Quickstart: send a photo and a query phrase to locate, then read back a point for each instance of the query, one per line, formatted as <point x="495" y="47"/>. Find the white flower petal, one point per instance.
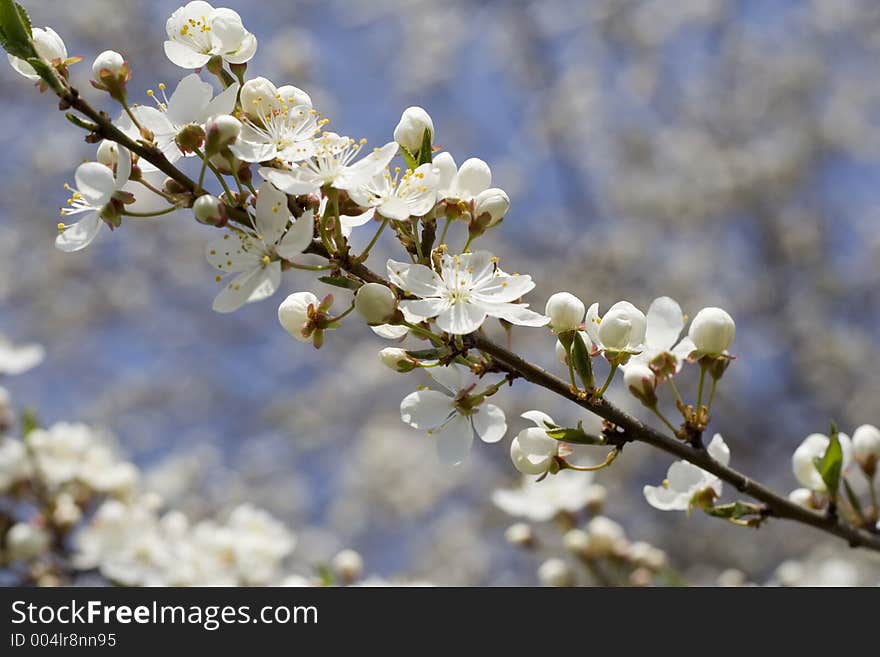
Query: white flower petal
<point x="184" y="56"/>
<point x="189" y="100"/>
<point x="424" y="308"/>
<point x="248" y="286"/>
<point x="298" y="237"/>
<point x="271" y="213"/>
<point x="665" y="322"/>
<point x="665" y="499"/>
<point x="426" y="409"/>
<point x="515" y="313"/>
<point x="79" y="235"/>
<point x="415" y="279"/>
<point x="95" y="182"/>
<point x="228" y="254"/>
<point x="540" y="418"/>
<point x="503" y="289"/>
<point x="454" y="440"/>
<point x="223" y="103"/>
<point x="461" y="318"/>
<point x="719" y="450"/>
<point x="390" y="331"/>
<point x="296" y="182"/>
<point x="489" y="423"/>
<point x="450" y="377"/>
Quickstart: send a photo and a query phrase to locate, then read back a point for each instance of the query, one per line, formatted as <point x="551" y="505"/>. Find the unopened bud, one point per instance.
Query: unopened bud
<point x="493" y="202"/>
<point x="348" y="566"/>
<point x="576" y="541"/>
<point x="108" y="62"/>
<point x="566" y="312"/>
<point x="712" y="331"/>
<point x="520" y="534"/>
<point x="209" y="210"/>
<point x="397" y="359"/>
<point x="410" y="131"/>
<point x="25" y="541"/>
<point x="108" y="153"/>
<point x="221" y="131"/>
<point x="641" y="382"/>
<point x="555" y="572"/>
<point x="866" y="448"/>
<point x="293" y="314"/>
<point x="376" y="303"/>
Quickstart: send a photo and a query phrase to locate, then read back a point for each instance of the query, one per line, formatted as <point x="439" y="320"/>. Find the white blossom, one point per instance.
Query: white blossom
<point x="19" y="358"/>
<point x="866" y="445"/>
<point x="293" y="313"/>
<point x="108" y="61"/>
<point x="464" y="183"/>
<point x="399" y="198"/>
<point x="15" y="466"/>
<point x="278" y="123"/>
<point x="96" y="187"/>
<point x="375" y="303"/>
<point x="665" y="322"/>
<point x="555" y="572"/>
<point x="332" y="163"/>
<point x="255" y="256"/>
<point x="685" y="480"/>
<point x="49" y="47"/>
<point x="26" y="541"/>
<point x="567" y="491"/>
<point x="191" y="104"/>
<point x="411" y="128"/>
<point x="712" y="331"/>
<point x="452" y="417"/>
<point x="566" y="312"/>
<point x="532" y="451"/>
<point x="813" y="447"/>
<point x="197" y="31"/>
<point x="621" y="330"/>
<point x="467" y="290"/>
<point x="494" y="202"/>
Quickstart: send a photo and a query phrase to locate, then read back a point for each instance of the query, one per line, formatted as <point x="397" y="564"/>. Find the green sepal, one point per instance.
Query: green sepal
<point x="831" y="463"/>
<point x="340" y="281"/>
<point x="576" y="435"/>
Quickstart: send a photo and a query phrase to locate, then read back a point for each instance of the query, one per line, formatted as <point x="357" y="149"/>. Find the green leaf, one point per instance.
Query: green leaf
<point x="15" y="30"/>
<point x="29" y="422"/>
<point x="428" y="354"/>
<point x="734" y="510"/>
<point x="576" y="436"/>
<point x="340" y="281"/>
<point x="581" y="360"/>
<point x="829" y="466"/>
<point x="426" y="151"/>
<point x="409" y="158"/>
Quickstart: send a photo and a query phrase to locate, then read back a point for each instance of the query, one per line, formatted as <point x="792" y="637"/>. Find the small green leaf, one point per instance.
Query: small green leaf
<point x="340" y="281"/>
<point x="15" y="30"/>
<point x="576" y="436"/>
<point x="426" y="153"/>
<point x="409" y="158"/>
<point x="29" y="422"/>
<point x="428" y="354"/>
<point x="829" y="466"/>
<point x="582" y="362"/>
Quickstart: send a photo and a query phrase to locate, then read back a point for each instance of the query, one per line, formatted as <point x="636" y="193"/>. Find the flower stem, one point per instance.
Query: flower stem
<point x="158" y="213"/>
<point x="607" y="381"/>
<point x="445" y="228"/>
<point x="342" y="315"/>
<point x="612" y="455"/>
<point x="700" y="389"/>
<point x="132" y="117"/>
<point x="711" y="393"/>
<point x="366" y="252"/>
<point x="425" y="333"/>
<point x="663" y="419"/>
<point x="675" y="392"/>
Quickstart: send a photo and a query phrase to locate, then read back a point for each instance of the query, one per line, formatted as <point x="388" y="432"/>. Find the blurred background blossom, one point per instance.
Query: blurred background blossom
<point x="722" y="152"/>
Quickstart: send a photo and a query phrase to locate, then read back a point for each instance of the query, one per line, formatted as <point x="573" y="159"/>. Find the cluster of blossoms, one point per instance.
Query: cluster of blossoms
<point x="596" y="550"/>
<point x="288" y="194"/>
<point x="70" y="505"/>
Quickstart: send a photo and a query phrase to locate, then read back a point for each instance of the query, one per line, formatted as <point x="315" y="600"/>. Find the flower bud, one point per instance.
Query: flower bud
<point x="520" y="534"/>
<point x="221" y="131"/>
<point x="397" y="359"/>
<point x="555" y="572"/>
<point x="813" y="447"/>
<point x="803" y="497"/>
<point x="348" y="566"/>
<point x="190" y="137"/>
<point x="411" y="129"/>
<point x="108" y="153"/>
<point x="605" y="535"/>
<point x="561" y="352"/>
<point x="376" y="303"/>
<point x="294" y="96"/>
<point x="108" y="62"/>
<point x="533" y="452"/>
<point x="712" y="331"/>
<point x="576" y="541"/>
<point x="641" y="382"/>
<point x="26" y="541"/>
<point x="293" y="314"/>
<point x="866" y="448"/>
<point x="493" y="202"/>
<point x="566" y="312"/>
<point x="209" y="210"/>
<point x="615" y="330"/>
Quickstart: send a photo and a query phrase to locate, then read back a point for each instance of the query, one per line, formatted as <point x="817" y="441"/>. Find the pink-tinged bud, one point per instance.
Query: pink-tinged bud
<point x="376" y="303"/>
<point x="209" y="210"/>
<point x="293" y="314"/>
<point x="411" y="129"/>
<point x="493" y="202"/>
<point x="221" y="131"/>
<point x="108" y="62"/>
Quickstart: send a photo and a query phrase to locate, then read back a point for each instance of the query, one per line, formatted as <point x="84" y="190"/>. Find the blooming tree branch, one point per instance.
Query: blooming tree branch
<point x="319" y="187"/>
